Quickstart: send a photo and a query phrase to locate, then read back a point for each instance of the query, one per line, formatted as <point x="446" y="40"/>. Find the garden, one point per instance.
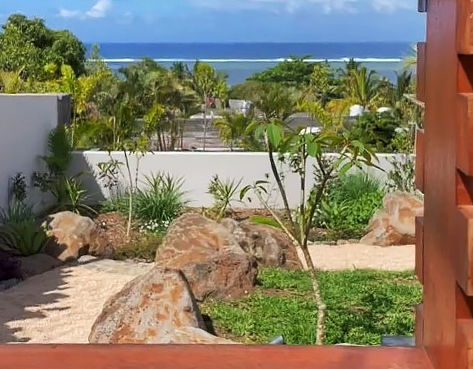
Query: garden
<point x="260" y="279"/>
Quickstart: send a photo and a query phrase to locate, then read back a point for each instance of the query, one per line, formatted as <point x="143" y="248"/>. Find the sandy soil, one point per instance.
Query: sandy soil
<point x="60" y="306"/>
<point x="357" y="256"/>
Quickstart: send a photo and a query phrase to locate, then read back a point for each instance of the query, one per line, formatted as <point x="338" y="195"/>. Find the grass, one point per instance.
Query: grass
<point x="362" y="306"/>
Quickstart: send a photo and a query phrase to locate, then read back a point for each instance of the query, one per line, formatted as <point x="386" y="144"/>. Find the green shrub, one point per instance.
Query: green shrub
<point x="259" y="219"/>
<point x="20" y="233"/>
<point x="362" y="306"/>
<point x="70" y="195"/>
<point x="156" y="205"/>
<point x="142" y="247"/>
<point x="350" y="203"/>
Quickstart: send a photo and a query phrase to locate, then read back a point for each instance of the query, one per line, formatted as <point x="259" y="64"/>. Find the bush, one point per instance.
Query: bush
<point x="376" y="130"/>
<point x="142" y="247"/>
<point x="154" y="207"/>
<point x="362" y="306"/>
<point x="350" y="203"/>
<point x="20" y="234"/>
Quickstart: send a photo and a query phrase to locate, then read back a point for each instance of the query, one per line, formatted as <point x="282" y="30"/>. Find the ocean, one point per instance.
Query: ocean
<point x="241" y="60"/>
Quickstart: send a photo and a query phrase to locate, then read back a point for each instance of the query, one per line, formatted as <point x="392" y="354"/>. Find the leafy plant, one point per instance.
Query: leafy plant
<point x="402" y="175"/>
<point x="295" y="148"/>
<point x="68" y="192"/>
<point x="23" y="238"/>
<point x="16" y="212"/>
<point x="258" y="219"/>
<point x="223" y="192"/>
<point x="60" y="150"/>
<point x="156" y="205"/>
<point x="109" y="172"/>
<point x="19" y="231"/>
<point x="161" y="201"/>
<point x="70" y="195"/>
<point x="350" y="203"/>
<point x="18" y="187"/>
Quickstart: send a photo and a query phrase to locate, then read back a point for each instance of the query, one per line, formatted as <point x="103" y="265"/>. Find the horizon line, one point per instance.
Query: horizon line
<point x="245" y="42"/>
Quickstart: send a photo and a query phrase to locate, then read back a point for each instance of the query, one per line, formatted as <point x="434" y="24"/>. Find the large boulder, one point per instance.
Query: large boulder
<point x="10" y="267"/>
<point x="38" y="264"/>
<point x="394" y="225"/>
<point x="210" y="257"/>
<point x="69" y="235"/>
<point x="270" y="246"/>
<point x="155" y="308"/>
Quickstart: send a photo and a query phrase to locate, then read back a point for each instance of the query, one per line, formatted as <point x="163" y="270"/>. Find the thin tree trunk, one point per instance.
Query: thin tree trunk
<point x="282" y="191"/>
<point x="320" y="331"/>
<point x="205" y="122"/>
<point x="130" y="193"/>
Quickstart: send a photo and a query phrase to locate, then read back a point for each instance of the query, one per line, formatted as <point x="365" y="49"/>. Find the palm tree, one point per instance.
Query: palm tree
<point x="360" y="86"/>
<point x="232" y="127"/>
<point x="410" y="61"/>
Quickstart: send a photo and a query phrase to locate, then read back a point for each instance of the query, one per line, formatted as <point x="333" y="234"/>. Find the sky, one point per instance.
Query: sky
<point x="228" y="20"/>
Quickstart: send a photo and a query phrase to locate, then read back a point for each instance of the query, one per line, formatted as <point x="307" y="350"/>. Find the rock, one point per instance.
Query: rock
<point x="157" y="307"/>
<point x="191" y="335"/>
<point x="210" y="257"/>
<point x="6" y="285"/>
<point x="38" y="264"/>
<point x="10" y="267"/>
<point x="270" y="245"/>
<point x="70" y="235"/>
<point x="394" y="225"/>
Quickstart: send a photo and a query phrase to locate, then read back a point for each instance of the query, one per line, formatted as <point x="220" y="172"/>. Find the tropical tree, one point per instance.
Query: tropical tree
<point x="293" y="72"/>
<point x="232" y="128"/>
<point x="360" y="86"/>
<point x="295" y="149"/>
<point x="29" y="44"/>
<point x="204" y="81"/>
<point x="410" y="61"/>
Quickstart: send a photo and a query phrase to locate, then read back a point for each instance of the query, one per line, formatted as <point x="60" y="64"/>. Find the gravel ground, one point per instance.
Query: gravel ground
<point x="60" y="306"/>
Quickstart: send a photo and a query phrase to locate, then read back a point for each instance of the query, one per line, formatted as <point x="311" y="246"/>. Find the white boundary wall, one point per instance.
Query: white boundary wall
<point x="197" y="170"/>
<point x="25" y="123"/>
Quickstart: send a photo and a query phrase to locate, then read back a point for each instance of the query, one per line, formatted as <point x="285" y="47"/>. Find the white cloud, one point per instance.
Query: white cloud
<point x="390" y="6"/>
<point x="288" y="6"/>
<point x="293" y="6"/>
<point x="99" y="10"/>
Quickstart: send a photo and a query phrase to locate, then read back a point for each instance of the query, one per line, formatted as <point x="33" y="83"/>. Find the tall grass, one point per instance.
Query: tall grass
<point x="156" y="204"/>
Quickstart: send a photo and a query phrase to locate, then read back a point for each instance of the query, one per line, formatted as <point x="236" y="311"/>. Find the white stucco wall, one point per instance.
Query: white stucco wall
<point x="25" y="122"/>
<point x="197" y="170"/>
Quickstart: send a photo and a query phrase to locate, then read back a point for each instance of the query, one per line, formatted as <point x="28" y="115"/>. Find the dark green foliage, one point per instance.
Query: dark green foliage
<point x="294" y="72"/>
<point x="20" y="233"/>
<point x="349" y="205"/>
<point x="68" y="191"/>
<point x="362" y="306"/>
<point x="377" y="130"/>
<point x="258" y="219"/>
<point x="60" y="150"/>
<point x="30" y="44"/>
<point x="156" y="205"/>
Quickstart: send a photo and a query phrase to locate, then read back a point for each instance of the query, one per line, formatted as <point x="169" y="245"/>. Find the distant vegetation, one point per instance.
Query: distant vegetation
<point x="146" y="100"/>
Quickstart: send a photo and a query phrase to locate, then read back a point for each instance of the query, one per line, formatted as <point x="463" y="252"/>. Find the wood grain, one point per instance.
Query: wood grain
<point x="209" y="357"/>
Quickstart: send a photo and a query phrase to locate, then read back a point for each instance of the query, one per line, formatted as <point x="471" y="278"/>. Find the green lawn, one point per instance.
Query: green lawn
<point x="362" y="306"/>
